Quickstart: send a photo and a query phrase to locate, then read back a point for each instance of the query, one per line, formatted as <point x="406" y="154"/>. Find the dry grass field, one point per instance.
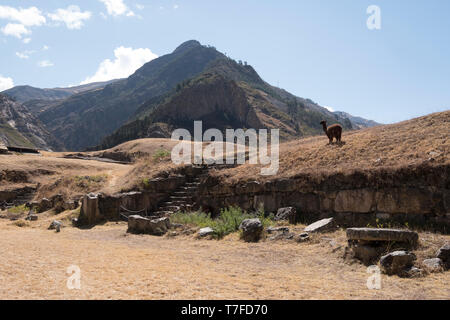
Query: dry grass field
<point x="413" y="142"/>
<point x="74" y="177"/>
<point x="58" y="175"/>
<point x="117" y="265"/>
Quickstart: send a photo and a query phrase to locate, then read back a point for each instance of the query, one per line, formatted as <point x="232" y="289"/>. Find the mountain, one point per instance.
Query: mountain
<point x="27" y="93"/>
<point x="83" y="119"/>
<point x="357" y="122"/>
<point x="226" y="95"/>
<point x="19" y="128"/>
<point x="194" y="82"/>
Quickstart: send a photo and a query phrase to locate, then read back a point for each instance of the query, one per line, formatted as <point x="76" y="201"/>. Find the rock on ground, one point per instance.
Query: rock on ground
<point x="321" y="226"/>
<point x="271" y="230"/>
<point x="412" y="272"/>
<point x="397" y="262"/>
<point x="141" y="225"/>
<point x="444" y="254"/>
<point x="303" y="237"/>
<point x="251" y="230"/>
<point x="204" y="232"/>
<point x="433" y="265"/>
<point x="288" y="214"/>
<point x="33" y="217"/>
<point x="44" y="205"/>
<point x="55" y="225"/>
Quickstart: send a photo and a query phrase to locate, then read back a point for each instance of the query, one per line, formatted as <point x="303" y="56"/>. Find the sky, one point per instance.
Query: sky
<point x="323" y="50"/>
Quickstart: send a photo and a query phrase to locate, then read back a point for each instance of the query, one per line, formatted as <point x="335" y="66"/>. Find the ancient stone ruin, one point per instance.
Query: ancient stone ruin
<point x="369" y="244"/>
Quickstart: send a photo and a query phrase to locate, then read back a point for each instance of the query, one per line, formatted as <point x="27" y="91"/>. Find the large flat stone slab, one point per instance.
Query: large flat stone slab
<point x="390" y="235"/>
<point x="321" y="226"/>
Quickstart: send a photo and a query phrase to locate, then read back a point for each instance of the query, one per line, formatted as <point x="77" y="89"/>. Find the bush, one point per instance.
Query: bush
<point x="146" y="183"/>
<point x="161" y="154"/>
<point x="198" y="218"/>
<point x="226" y="223"/>
<point x="18" y="209"/>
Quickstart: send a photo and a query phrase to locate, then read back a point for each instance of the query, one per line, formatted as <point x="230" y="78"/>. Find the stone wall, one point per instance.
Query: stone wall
<point x="97" y="208"/>
<point x="11" y="195"/>
<point x="417" y="195"/>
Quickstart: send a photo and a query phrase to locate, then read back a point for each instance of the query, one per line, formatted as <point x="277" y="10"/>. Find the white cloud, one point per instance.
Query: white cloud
<point x="16" y="30"/>
<point x="25" y="54"/>
<point x="329" y="108"/>
<point x="45" y="48"/>
<point x="126" y="62"/>
<point x="26" y="40"/>
<point x="176" y="6"/>
<point x="72" y="16"/>
<point x="140" y="6"/>
<point x="117" y="8"/>
<point x="45" y="64"/>
<point x="6" y="83"/>
<point x="27" y="17"/>
<point x="22" y="55"/>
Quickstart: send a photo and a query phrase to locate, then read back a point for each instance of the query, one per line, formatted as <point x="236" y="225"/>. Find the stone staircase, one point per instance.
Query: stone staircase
<point x="183" y="198"/>
<point x="25" y="198"/>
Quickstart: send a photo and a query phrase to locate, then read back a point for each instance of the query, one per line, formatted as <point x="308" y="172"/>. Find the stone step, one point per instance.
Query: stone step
<point x="180" y="203"/>
<point x="183" y="194"/>
<point x="170" y="208"/>
<point x="180" y="198"/>
<point x="163" y="213"/>
<point x="187" y="189"/>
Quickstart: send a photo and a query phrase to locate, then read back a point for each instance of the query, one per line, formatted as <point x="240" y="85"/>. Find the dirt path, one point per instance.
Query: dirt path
<point x="115" y="265"/>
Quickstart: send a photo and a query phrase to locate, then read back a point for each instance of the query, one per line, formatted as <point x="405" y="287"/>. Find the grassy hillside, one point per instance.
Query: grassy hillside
<point x="11" y="137"/>
<point x="415" y="142"/>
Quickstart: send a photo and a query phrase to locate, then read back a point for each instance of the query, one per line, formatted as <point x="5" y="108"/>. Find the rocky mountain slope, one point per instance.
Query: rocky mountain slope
<point x="18" y="127"/>
<point x="357" y="122"/>
<point x="84" y="119"/>
<point x="24" y="94"/>
<point x="39" y="100"/>
<point x="226" y="95"/>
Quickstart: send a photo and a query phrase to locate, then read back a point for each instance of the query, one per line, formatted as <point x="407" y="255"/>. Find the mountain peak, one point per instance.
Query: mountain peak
<point x="188" y="45"/>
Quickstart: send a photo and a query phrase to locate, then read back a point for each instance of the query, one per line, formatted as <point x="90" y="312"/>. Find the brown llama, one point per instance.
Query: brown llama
<point x="334" y="131"/>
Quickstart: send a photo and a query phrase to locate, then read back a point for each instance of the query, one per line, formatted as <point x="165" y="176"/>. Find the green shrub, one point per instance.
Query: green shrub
<point x="18" y="209"/>
<point x="198" y="218"/>
<point x="146" y="183"/>
<point x="226" y="223"/>
<point x="161" y="154"/>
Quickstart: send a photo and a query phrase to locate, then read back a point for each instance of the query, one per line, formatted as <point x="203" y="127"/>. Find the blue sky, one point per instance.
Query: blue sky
<point x="317" y="49"/>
